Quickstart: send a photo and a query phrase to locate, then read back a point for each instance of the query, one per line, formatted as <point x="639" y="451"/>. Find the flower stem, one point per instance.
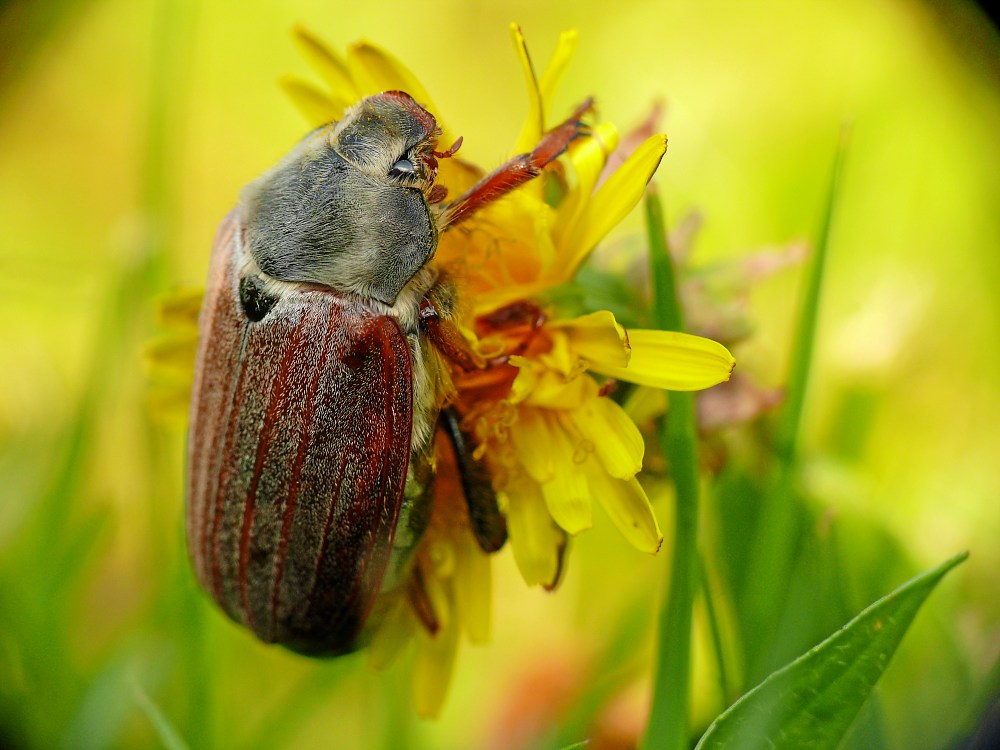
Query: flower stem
<point x="668" y="719"/>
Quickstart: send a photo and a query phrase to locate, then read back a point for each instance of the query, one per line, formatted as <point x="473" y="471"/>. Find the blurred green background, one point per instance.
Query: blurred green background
<point x="126" y="130"/>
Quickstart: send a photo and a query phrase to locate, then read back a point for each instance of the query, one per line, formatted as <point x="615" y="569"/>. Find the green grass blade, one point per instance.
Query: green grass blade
<point x="805" y="335"/>
<point x="165" y="731"/>
<point x="715" y="630"/>
<point x="96" y="712"/>
<point x="772" y="556"/>
<point x="666" y="305"/>
<point x="812" y="702"/>
<point x="668" y="719"/>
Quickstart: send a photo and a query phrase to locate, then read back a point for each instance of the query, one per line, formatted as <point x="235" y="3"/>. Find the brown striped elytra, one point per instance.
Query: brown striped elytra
<point x="313" y="414"/>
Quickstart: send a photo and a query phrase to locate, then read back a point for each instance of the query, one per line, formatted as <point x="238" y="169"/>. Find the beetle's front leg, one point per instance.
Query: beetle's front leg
<point x="444" y="334"/>
<point x="515" y="172"/>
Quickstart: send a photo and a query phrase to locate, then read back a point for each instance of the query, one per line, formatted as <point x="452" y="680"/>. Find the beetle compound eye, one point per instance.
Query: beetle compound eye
<point x="256" y="303"/>
<point x="403" y="168"/>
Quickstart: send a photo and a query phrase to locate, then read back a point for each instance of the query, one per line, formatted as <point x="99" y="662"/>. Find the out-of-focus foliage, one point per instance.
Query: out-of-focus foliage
<point x="814" y="700"/>
<point x="127" y="129"/>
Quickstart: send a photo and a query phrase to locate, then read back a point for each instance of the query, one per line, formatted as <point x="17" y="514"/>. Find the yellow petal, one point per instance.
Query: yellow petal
<point x="317" y="106"/>
<point x="671" y="360"/>
<point x="628" y="507"/>
<point x="473" y="589"/>
<point x="568" y="499"/>
<point x="543" y="218"/>
<point x="567" y="494"/>
<point x="617" y="442"/>
<point x="534" y="125"/>
<point x="169" y="401"/>
<point x="560" y="357"/>
<point x="535" y="540"/>
<point x="612" y="202"/>
<point x="557" y="66"/>
<point x="328" y="64"/>
<point x="645" y="403"/>
<point x="597" y="337"/>
<point x="180" y="308"/>
<point x="588" y="157"/>
<point x="432" y="671"/>
<point x="438" y="593"/>
<point x="530" y="436"/>
<point x="392" y="635"/>
<point x="553" y="391"/>
<point x="172" y="354"/>
<point x="376" y="71"/>
<point x="525" y="381"/>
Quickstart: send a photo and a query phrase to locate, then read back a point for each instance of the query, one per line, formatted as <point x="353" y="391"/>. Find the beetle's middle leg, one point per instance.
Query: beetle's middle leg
<point x="485" y="519"/>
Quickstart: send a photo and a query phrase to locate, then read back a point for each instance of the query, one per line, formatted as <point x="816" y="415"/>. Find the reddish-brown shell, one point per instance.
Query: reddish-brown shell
<point x="298" y="450"/>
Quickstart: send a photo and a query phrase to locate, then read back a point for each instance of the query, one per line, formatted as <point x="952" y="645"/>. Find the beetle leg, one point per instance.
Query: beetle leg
<point x="488" y="524"/>
<point x="515" y="172"/>
<point x="420" y="601"/>
<point x="447" y="339"/>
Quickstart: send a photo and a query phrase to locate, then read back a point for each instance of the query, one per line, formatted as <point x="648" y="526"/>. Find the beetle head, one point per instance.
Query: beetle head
<point x="348" y="208"/>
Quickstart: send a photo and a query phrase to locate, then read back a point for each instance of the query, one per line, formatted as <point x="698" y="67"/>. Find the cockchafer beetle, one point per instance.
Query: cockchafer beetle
<point x="316" y="398"/>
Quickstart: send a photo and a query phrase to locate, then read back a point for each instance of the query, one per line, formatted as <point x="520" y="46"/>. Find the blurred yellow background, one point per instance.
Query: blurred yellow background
<point x="127" y="129"/>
